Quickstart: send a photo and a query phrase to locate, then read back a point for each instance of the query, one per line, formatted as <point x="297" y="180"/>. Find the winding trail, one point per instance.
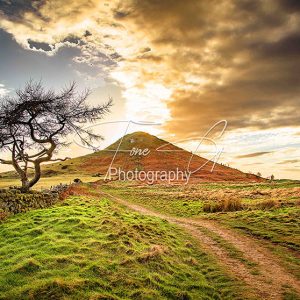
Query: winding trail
<point x="267" y="283"/>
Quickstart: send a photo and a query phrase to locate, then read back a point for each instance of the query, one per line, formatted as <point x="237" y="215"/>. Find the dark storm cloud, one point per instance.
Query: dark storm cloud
<point x="290" y="5"/>
<point x="72" y="39"/>
<point x="39" y="46"/>
<point x="222" y="59"/>
<point x="247" y="51"/>
<point x="18" y="65"/>
<point x="288" y="46"/>
<point x="15" y="9"/>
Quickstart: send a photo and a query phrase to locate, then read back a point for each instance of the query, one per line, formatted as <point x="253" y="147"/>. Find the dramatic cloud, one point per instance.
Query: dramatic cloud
<point x="40" y="46"/>
<point x="196" y="61"/>
<point x="186" y="64"/>
<point x="252" y="154"/>
<point x="49" y="25"/>
<point x="15" y="10"/>
<point x="236" y="63"/>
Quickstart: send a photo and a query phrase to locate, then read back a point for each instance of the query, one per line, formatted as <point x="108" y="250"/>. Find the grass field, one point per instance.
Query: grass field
<point x="269" y="213"/>
<point x="277" y="229"/>
<point x="47" y="182"/>
<point x="90" y="248"/>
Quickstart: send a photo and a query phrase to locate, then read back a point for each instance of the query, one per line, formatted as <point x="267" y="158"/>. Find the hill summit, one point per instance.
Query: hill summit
<point x="138" y="139"/>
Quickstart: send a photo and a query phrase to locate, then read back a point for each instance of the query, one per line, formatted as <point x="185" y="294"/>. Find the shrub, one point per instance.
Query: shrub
<point x="210" y="207"/>
<point x="74" y="189"/>
<point x="268" y="204"/>
<point x="223" y="205"/>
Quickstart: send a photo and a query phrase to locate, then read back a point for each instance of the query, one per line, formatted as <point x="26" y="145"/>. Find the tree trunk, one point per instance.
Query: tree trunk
<point x="25" y="185"/>
<point x="22" y="174"/>
<point x="37" y="175"/>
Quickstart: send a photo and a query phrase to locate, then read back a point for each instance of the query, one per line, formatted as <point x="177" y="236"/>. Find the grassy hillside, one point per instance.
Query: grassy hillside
<point x="173" y="158"/>
<point x="91" y="248"/>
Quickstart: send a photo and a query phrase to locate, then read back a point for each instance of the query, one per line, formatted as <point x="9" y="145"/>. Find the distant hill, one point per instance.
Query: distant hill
<point x="168" y="158"/>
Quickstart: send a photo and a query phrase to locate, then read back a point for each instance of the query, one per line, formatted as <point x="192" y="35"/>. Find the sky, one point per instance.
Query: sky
<point x="183" y="65"/>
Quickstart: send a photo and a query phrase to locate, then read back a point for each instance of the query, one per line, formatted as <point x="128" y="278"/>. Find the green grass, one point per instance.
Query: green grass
<point x="277" y="227"/>
<point x="280" y="226"/>
<point x="47" y="182"/>
<point x="91" y="248"/>
<point x="188" y="201"/>
<point x="230" y="249"/>
<point x="158" y="198"/>
<point x="251" y="186"/>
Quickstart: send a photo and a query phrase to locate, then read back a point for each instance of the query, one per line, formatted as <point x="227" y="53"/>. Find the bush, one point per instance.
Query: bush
<point x="74" y="189"/>
<point x="268" y="204"/>
<point x="223" y="205"/>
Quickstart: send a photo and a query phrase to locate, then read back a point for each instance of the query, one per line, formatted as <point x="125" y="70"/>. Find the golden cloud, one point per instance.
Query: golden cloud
<point x="183" y="62"/>
<point x="255" y="154"/>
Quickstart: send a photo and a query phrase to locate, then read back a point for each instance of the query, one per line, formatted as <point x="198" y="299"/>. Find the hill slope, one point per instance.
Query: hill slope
<point x="161" y="156"/>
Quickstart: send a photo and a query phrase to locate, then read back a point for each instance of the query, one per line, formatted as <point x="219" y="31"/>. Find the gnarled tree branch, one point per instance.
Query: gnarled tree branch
<point x="36" y="122"/>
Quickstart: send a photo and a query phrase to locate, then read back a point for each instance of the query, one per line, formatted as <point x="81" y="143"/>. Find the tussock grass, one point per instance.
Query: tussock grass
<point x="268" y="204"/>
<point x="224" y="205"/>
<point x="193" y="200"/>
<point x="90" y="248"/>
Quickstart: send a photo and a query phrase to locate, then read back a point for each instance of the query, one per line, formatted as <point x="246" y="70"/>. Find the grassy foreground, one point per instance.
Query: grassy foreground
<point x="91" y="248"/>
<point x="268" y="212"/>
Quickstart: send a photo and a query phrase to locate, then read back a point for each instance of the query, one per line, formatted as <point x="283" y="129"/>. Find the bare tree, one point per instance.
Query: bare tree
<point x="36" y="123"/>
<point x="258" y="174"/>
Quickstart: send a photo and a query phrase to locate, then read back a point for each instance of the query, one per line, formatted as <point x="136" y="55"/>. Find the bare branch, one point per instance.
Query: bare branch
<point x="6" y="162"/>
<point x="37" y="122"/>
<point x="60" y="159"/>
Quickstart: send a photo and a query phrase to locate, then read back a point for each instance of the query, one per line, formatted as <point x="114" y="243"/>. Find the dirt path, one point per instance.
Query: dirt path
<point x="266" y="284"/>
